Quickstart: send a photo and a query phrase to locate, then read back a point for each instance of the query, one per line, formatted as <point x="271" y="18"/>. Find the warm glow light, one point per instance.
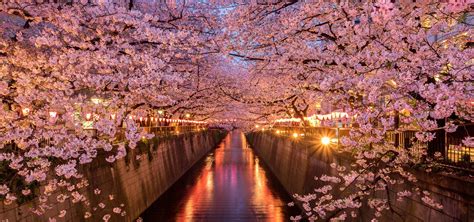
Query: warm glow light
<point x="25" y="111"/>
<point x="160" y="112"/>
<point x="53" y="114"/>
<point x="315" y="120"/>
<point x="112" y="116"/>
<point x="188" y="115"/>
<point x="256" y="126"/>
<point x="96" y="100"/>
<point x="88" y="116"/>
<point x="295" y="135"/>
<point x="405" y="112"/>
<point x="392" y="83"/>
<point x="437" y="77"/>
<point x="325" y="140"/>
<point x="278" y="132"/>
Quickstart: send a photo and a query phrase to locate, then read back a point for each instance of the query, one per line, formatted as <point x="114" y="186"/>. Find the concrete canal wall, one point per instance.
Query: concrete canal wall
<point x="296" y="162"/>
<point x="134" y="183"/>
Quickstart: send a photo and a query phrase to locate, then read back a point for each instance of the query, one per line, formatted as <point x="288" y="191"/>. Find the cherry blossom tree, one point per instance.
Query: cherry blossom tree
<point x="102" y="62"/>
<point x="391" y="66"/>
<point x="394" y="67"/>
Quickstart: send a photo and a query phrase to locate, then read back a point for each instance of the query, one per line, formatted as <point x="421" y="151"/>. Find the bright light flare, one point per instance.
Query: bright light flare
<point x="295" y="135"/>
<point x="325" y="140"/>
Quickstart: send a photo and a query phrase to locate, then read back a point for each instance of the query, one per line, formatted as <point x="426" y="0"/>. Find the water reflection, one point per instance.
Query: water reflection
<point x="229" y="184"/>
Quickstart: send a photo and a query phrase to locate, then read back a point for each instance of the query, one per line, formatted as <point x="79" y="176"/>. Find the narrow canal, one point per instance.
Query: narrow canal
<point x="230" y="184"/>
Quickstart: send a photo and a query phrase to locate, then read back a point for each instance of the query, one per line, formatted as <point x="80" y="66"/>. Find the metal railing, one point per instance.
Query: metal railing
<point x="448" y="144"/>
<point x="158" y="131"/>
<point x="332" y="133"/>
<point x="455" y="150"/>
<point x="161" y="131"/>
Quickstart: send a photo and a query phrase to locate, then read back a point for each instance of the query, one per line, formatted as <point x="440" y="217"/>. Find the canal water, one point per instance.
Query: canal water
<point x="230" y="184"/>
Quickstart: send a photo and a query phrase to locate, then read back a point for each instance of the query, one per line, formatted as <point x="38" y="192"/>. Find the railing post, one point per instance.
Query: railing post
<point x="446" y="145"/>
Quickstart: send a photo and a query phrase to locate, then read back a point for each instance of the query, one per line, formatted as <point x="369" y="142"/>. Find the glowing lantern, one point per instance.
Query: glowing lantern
<point x="88" y="116"/>
<point x="25" y="111"/>
<point x="53" y="114"/>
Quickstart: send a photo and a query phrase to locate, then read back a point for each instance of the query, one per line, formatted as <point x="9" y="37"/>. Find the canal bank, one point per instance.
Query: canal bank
<point x="130" y="184"/>
<point x="296" y="162"/>
<point x="230" y="184"/>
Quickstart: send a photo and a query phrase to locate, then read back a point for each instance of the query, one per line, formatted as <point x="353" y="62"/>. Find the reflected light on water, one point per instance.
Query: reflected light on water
<point x="231" y="183"/>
